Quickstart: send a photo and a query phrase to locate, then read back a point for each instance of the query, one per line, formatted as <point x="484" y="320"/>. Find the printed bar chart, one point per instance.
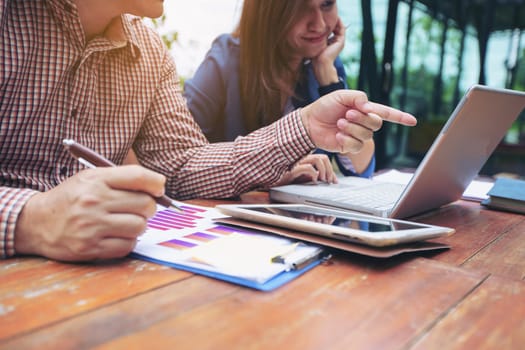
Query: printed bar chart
<point x="168" y="219"/>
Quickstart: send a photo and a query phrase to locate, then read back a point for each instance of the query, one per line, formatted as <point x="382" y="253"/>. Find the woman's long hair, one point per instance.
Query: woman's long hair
<point x="266" y="78"/>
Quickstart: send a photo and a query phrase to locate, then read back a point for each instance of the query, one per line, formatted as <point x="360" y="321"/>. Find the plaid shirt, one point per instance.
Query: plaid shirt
<point x="112" y="93"/>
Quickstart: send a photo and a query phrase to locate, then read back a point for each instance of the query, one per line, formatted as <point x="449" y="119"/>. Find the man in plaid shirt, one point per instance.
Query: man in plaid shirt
<point x="91" y="71"/>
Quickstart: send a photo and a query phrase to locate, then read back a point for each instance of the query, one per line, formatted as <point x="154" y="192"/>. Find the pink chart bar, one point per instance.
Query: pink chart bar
<point x="201" y="236"/>
<point x="172" y="214"/>
<point x="170" y="223"/>
<point x="159" y="227"/>
<point x="173" y="219"/>
<point x="164" y="226"/>
<point x="166" y="219"/>
<point x="178" y="244"/>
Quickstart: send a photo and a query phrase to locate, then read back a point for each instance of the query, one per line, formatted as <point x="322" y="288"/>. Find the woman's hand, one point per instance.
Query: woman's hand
<point x="323" y="64"/>
<point x="313" y="167"/>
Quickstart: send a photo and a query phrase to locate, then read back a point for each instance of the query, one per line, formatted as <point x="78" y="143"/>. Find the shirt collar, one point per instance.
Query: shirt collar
<point x="129" y="31"/>
<point x="122" y="32"/>
<point x="63" y="7"/>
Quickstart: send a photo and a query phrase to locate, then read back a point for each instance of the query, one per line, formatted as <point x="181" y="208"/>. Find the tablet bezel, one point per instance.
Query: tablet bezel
<point x="418" y="232"/>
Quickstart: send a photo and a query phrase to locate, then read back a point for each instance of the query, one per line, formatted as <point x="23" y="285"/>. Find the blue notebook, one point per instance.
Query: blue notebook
<point x="507" y="194"/>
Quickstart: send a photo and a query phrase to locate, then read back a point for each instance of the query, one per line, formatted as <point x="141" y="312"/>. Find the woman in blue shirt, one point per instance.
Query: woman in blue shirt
<point x="282" y="56"/>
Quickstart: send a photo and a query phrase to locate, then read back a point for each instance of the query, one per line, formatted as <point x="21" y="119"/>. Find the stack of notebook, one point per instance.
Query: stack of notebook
<point x="507" y="194"/>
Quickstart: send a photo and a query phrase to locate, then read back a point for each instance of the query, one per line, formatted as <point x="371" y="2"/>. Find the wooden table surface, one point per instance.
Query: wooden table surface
<point x="469" y="297"/>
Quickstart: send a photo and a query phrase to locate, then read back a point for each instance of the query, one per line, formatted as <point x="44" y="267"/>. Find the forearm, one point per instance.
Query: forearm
<point x="325" y="73"/>
<point x="257" y="160"/>
<point x="333" y="81"/>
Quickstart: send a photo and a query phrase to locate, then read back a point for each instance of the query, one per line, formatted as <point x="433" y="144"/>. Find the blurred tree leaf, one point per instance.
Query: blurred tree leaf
<point x="168" y="38"/>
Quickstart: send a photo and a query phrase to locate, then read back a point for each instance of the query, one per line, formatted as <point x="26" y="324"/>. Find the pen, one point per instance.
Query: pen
<point x="299" y="264"/>
<point x="297" y="261"/>
<point x="91" y="159"/>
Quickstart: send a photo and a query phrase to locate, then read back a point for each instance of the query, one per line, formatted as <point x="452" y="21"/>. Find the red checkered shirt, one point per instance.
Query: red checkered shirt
<point x="112" y="93"/>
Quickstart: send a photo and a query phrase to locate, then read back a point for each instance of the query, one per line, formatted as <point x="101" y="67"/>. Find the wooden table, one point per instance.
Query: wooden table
<point x="469" y="297"/>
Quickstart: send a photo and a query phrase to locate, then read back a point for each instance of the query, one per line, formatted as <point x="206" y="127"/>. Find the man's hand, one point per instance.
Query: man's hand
<point x="95" y="214"/>
<point x="343" y="120"/>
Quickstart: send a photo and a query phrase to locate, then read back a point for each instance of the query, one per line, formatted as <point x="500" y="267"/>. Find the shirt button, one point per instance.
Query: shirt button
<point x="63" y="171"/>
<point x="74" y="113"/>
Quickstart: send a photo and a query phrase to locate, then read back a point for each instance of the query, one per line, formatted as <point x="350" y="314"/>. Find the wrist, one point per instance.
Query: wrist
<point x="25" y="241"/>
<point x="305" y="120"/>
<point x="326" y="74"/>
<point x="325" y="89"/>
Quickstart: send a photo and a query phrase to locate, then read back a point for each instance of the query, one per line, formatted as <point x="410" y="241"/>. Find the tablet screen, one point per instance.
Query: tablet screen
<point x="335" y="219"/>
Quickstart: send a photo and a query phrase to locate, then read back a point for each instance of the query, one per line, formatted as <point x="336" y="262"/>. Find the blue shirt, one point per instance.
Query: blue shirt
<point x="213" y="95"/>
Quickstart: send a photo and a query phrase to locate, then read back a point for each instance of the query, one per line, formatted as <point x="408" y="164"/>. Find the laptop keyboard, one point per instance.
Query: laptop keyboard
<point x="379" y="195"/>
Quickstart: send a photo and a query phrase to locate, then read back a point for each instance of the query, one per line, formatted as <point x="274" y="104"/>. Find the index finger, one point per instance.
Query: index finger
<point x="390" y="114"/>
<point x="134" y="178"/>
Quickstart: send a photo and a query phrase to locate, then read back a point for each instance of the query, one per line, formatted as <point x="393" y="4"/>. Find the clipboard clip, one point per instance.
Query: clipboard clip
<point x="295" y="261"/>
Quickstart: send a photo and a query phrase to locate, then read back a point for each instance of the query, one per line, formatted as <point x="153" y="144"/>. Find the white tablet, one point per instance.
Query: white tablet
<point x="337" y="224"/>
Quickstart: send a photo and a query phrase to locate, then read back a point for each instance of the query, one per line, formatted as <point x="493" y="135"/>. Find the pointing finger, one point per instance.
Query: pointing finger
<point x="389" y="114"/>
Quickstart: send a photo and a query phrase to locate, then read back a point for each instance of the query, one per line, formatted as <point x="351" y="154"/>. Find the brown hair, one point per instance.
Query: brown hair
<point x="266" y="78"/>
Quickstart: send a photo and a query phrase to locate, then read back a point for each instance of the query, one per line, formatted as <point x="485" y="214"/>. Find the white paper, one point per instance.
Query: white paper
<point x="194" y="240"/>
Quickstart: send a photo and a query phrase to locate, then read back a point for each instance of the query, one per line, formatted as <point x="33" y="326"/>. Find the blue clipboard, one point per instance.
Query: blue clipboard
<point x="271" y="284"/>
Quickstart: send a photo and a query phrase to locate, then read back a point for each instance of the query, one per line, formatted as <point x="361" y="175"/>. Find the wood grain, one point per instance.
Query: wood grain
<point x="485" y="239"/>
<point x="34" y="295"/>
<point x="471" y="296"/>
<point x="333" y="306"/>
<point x="491" y="317"/>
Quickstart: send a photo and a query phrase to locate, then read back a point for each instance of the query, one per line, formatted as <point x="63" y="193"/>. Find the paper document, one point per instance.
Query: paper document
<point x="194" y="240"/>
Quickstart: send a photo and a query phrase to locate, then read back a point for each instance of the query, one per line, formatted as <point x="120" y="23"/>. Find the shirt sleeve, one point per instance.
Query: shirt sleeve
<point x="12" y="200"/>
<point x="170" y="142"/>
<point x="346" y="167"/>
<point x="341" y="72"/>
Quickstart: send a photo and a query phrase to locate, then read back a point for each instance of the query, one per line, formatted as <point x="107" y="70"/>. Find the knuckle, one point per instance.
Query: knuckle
<point x="150" y="209"/>
<point x="139" y="175"/>
<point x="124" y="249"/>
<point x="89" y="200"/>
<point x="361" y="94"/>
<point x="82" y="248"/>
<point x="141" y="225"/>
<point x="136" y="225"/>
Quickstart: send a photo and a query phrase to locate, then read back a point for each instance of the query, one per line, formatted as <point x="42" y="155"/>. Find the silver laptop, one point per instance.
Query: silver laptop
<point x="464" y="144"/>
